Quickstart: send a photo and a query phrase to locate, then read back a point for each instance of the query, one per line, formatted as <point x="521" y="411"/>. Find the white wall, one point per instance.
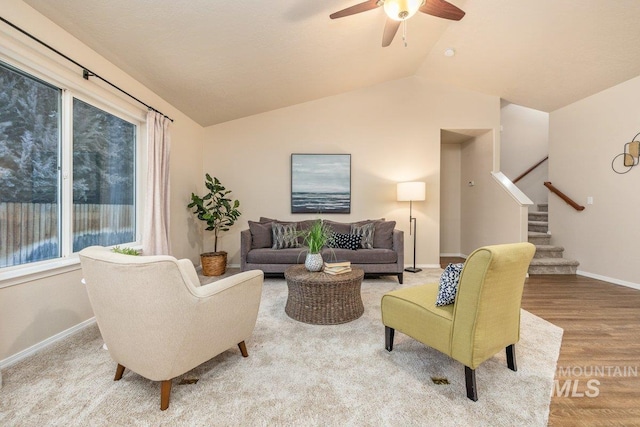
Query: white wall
<point x="584" y="138"/>
<point x="524" y="142"/>
<point x="450" y="191"/>
<point x="36" y="310"/>
<point x="489" y="215"/>
<point x="392" y="132"/>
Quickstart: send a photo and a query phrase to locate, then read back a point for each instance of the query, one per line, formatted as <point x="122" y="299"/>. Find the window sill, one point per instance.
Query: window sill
<point x="23" y="274"/>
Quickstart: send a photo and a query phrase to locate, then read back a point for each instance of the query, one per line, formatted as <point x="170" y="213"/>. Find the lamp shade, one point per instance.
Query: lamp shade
<point x="411" y="191"/>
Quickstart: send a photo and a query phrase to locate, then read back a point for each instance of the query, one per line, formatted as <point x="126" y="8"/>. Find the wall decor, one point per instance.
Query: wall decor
<point x="321" y="183"/>
<point x="630" y="156"/>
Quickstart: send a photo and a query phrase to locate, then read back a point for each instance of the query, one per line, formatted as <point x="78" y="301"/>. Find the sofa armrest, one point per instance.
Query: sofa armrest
<point x="398" y="246"/>
<point x="245" y="247"/>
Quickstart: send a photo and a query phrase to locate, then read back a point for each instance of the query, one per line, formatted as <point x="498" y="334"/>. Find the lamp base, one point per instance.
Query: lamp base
<point x="412" y="269"/>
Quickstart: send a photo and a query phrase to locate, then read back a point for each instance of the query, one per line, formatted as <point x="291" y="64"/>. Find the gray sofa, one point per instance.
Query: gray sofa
<point x="386" y="257"/>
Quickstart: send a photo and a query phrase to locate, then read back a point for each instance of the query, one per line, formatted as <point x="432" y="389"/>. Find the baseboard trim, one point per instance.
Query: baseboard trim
<point x="423" y="265"/>
<point x="11" y="360"/>
<point x="453" y="255"/>
<point x="609" y="279"/>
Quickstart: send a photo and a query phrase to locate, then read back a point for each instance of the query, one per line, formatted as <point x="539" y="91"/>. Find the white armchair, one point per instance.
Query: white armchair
<point x="158" y="321"/>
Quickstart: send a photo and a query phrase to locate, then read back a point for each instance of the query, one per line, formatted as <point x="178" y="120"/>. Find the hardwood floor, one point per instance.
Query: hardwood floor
<point x="598" y="374"/>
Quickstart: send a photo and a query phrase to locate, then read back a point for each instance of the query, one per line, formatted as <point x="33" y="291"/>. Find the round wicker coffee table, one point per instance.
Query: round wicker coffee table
<point x="321" y="298"/>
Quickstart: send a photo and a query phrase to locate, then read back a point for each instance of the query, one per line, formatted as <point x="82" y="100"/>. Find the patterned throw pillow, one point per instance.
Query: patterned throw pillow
<point x="284" y="236"/>
<point x="449" y="284"/>
<point x="344" y="241"/>
<point x="365" y="232"/>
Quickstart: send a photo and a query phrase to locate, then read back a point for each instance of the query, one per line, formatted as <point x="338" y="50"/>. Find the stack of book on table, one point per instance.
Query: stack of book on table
<point x="337" y="267"/>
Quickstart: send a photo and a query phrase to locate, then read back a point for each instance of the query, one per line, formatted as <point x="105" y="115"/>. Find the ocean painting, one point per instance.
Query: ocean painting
<point x="321" y="183"/>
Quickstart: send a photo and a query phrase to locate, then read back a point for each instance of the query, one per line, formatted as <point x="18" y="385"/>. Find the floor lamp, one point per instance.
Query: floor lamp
<point x="411" y="192"/>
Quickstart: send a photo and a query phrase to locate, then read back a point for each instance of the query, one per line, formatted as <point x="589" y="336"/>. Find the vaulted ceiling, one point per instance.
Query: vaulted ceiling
<point x="222" y="60"/>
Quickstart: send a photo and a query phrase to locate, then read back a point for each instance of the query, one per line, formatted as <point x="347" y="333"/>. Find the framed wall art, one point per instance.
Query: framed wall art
<point x="321" y="183"/>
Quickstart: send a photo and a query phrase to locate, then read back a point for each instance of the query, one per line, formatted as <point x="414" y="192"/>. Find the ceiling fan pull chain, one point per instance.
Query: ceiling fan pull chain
<point x="404" y="32"/>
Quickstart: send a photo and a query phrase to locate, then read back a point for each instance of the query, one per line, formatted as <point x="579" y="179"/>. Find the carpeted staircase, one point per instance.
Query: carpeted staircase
<point x="548" y="259"/>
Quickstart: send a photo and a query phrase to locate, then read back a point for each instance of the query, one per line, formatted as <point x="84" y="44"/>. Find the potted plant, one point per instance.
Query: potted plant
<point x="125" y="251"/>
<point x="315" y="238"/>
<point x="220" y="213"/>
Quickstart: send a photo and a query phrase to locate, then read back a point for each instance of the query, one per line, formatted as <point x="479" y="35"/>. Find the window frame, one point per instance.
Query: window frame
<point x="35" y="62"/>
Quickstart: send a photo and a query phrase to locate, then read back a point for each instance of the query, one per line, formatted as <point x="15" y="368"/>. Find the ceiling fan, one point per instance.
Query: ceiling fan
<point x="398" y="11"/>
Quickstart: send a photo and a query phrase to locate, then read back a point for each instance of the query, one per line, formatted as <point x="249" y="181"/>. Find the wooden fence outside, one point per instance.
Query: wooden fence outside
<point x="25" y="227"/>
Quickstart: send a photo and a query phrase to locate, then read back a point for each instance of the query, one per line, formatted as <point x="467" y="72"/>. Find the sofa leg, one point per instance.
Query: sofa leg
<point x="470" y="380"/>
<point x="511" y="357"/>
<point x="388" y="338"/>
<point x="119" y="372"/>
<point x="400" y="277"/>
<point x="165" y="393"/>
<point x="243" y="349"/>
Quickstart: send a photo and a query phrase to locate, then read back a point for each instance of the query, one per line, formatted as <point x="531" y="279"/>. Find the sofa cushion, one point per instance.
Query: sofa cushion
<point x="383" y="234"/>
<point x="339" y="227"/>
<point x="362" y="256"/>
<point x="281" y="256"/>
<point x="365" y="231"/>
<point x="344" y="241"/>
<point x="260" y="234"/>
<point x="284" y="235"/>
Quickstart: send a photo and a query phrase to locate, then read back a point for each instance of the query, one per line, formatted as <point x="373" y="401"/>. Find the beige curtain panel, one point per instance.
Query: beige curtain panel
<point x="155" y="235"/>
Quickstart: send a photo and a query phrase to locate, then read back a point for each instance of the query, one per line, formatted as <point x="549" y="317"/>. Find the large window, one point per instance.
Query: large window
<point x="103" y="178"/>
<point x="39" y="220"/>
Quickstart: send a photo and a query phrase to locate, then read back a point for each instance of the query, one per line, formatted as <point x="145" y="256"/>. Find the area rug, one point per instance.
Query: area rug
<point x="296" y="374"/>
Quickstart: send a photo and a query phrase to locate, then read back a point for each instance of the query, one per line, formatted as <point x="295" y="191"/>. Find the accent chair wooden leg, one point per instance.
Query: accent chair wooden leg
<point x="400" y="276"/>
<point x="511" y="357"/>
<point x="243" y="349"/>
<point x="119" y="372"/>
<point x="388" y="338"/>
<point x="165" y="393"/>
<point x="470" y="379"/>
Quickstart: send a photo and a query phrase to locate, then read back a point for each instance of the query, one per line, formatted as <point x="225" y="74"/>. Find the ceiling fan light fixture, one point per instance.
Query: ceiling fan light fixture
<point x="400" y="10"/>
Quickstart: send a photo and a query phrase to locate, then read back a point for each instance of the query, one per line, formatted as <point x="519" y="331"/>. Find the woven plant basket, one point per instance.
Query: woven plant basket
<point x="213" y="263"/>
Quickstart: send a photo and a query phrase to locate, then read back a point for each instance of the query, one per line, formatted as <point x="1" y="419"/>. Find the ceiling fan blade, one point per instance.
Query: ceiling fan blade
<point x="360" y="7"/>
<point x="390" y="30"/>
<point x="442" y="9"/>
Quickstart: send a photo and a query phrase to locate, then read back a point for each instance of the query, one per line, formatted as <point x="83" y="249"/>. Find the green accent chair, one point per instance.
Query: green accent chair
<point x="484" y="318"/>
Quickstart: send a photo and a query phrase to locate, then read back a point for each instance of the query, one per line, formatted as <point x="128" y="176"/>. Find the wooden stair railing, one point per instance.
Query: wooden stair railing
<point x="563" y="196"/>
<point x="525" y="173"/>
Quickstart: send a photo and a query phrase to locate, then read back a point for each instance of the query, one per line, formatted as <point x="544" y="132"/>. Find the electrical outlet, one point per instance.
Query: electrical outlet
<point x="590" y="200"/>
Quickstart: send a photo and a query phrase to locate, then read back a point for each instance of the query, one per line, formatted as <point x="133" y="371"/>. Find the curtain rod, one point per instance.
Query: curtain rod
<point x="86" y="73"/>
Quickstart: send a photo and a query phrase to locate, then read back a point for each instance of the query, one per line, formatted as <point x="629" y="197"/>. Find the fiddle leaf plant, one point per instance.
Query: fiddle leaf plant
<point x="215" y="208"/>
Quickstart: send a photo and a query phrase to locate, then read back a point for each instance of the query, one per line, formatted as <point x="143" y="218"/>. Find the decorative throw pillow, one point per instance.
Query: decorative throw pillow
<point x="383" y="234"/>
<point x="344" y="241"/>
<point x="449" y="284"/>
<point x="260" y="234"/>
<point x="284" y="236"/>
<point x="365" y="232"/>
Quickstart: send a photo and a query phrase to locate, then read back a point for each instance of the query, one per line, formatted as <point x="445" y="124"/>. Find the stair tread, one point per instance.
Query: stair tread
<point x="538" y="234"/>
<point x="538" y="222"/>
<point x="549" y="248"/>
<point x="554" y="261"/>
